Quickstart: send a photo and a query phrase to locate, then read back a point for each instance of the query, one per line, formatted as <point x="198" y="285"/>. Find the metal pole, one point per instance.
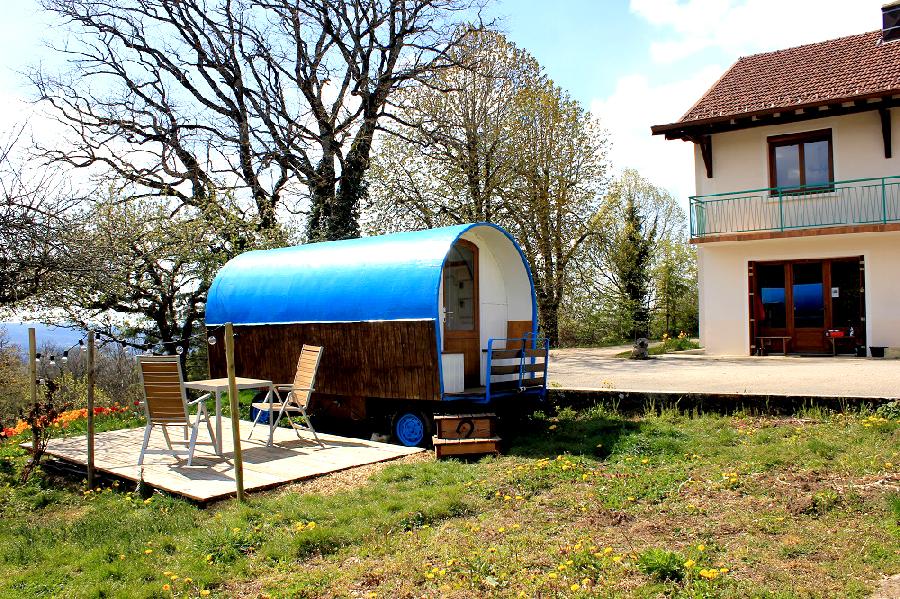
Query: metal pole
<point x="781" y="209"/>
<point x="235" y="411"/>
<point x="883" y="202"/>
<point x="91" y="375"/>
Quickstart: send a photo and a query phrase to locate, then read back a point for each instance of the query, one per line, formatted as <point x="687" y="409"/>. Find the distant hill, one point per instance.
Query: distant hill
<point x="61" y="336"/>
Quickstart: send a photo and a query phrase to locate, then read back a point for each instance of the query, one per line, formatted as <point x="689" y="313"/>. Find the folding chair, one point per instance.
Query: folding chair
<point x="297" y="399"/>
<point x="166" y="405"/>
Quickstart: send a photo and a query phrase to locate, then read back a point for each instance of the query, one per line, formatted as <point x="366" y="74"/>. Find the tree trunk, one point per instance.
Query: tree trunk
<point x="549" y="321"/>
<point x="322" y="192"/>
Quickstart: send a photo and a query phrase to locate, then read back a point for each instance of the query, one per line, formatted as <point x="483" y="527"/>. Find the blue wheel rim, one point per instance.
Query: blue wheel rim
<point x="410" y="430"/>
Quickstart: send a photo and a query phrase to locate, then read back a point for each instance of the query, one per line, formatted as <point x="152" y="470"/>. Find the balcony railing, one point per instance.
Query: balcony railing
<point x="839" y="203"/>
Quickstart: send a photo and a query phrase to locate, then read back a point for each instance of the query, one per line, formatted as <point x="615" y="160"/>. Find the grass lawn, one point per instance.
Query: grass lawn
<point x="589" y="504"/>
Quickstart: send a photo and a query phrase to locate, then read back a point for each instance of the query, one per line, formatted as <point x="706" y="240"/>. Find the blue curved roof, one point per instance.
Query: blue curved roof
<point x="387" y="277"/>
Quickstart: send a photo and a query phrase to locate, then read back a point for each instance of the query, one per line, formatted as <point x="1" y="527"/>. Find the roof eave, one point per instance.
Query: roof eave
<point x="686" y="129"/>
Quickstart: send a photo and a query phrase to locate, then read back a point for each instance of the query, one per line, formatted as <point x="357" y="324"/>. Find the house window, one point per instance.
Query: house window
<point x="801" y="160"/>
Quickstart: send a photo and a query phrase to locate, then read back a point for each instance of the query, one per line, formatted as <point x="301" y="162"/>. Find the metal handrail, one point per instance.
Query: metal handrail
<point x="847" y="202"/>
<point x="535" y="342"/>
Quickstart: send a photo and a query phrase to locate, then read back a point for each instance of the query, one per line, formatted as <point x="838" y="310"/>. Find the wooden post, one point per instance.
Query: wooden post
<point x="235" y="411"/>
<point x="90" y="409"/>
<point x="32" y="385"/>
<point x="32" y="364"/>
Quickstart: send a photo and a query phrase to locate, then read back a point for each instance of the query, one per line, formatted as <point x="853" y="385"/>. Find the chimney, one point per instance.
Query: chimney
<point x="890" y="21"/>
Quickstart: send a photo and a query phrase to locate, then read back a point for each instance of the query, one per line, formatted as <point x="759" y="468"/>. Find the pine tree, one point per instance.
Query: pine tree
<point x="632" y="263"/>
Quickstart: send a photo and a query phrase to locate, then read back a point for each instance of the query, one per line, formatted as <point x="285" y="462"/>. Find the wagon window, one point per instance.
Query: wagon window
<point x="459" y="289"/>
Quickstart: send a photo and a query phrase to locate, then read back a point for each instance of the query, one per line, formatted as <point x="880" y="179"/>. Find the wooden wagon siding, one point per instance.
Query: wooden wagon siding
<point x="392" y="360"/>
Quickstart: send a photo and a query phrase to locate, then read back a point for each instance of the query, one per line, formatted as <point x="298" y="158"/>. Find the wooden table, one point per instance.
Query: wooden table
<point x="217" y="386"/>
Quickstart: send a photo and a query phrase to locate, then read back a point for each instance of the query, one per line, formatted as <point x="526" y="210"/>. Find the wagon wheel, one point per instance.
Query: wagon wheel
<point x="411" y="428"/>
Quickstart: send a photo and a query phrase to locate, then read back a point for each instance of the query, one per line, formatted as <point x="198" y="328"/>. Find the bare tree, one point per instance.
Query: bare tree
<point x="34" y="205"/>
<point x="272" y="99"/>
<point x="148" y="269"/>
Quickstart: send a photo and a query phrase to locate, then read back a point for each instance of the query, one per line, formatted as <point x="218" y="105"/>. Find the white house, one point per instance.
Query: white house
<point x="797" y="214"/>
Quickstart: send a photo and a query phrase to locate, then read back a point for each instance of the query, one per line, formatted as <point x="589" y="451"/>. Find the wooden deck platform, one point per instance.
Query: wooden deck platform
<point x="212" y="477"/>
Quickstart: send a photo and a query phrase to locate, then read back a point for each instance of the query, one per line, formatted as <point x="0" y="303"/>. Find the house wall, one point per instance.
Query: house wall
<point x="741" y="158"/>
<point x="741" y="162"/>
<point x="724" y="307"/>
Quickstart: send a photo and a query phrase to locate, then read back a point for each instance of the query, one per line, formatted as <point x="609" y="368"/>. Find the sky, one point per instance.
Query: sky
<point x="634" y="63"/>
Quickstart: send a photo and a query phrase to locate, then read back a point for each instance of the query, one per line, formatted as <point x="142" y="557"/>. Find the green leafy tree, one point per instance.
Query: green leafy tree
<point x="495" y="140"/>
<point x="631" y="260"/>
<point x="639" y="272"/>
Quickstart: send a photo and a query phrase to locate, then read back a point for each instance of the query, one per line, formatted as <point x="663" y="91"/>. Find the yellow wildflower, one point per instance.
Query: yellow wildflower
<point x="166" y="587"/>
<point x="575" y="586"/>
<point x="148" y="551"/>
<point x="689" y="564"/>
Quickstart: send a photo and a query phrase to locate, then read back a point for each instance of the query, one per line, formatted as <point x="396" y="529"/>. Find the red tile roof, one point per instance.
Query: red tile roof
<point x="853" y="67"/>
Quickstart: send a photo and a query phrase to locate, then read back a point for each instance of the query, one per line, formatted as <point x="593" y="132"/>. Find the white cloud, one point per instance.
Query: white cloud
<point x="730" y="28"/>
<point x="638" y="102"/>
<point x="740" y="27"/>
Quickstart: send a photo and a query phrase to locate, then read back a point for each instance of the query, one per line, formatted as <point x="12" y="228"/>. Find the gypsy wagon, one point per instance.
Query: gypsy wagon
<point x="415" y="325"/>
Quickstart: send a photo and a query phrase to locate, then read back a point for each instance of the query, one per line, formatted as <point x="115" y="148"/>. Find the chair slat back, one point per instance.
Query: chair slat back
<point x="166" y="401"/>
<point x="305" y="377"/>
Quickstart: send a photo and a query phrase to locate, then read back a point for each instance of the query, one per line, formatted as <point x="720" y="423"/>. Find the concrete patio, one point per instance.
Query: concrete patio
<point x="598" y="368"/>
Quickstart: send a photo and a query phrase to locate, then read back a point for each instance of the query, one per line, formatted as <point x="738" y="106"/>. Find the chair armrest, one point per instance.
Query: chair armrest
<point x="200" y="399"/>
<point x="284" y="387"/>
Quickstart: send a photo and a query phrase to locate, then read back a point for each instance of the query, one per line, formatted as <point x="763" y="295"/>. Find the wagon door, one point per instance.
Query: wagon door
<point x="461" y="325"/>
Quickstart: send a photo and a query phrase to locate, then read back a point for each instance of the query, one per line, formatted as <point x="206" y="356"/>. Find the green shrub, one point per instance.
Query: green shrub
<point x="661" y="564"/>
<point x="890" y="410"/>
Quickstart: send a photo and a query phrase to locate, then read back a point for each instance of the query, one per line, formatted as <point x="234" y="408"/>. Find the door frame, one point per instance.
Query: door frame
<point x="473" y="337"/>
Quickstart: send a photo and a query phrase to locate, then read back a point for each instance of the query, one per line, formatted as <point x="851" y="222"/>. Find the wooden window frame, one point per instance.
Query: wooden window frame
<point x="798" y="139"/>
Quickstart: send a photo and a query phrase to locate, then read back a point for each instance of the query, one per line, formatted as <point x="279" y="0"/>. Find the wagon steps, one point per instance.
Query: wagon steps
<point x="465" y="434"/>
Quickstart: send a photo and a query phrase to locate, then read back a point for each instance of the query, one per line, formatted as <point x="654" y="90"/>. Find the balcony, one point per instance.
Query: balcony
<point x="853" y="203"/>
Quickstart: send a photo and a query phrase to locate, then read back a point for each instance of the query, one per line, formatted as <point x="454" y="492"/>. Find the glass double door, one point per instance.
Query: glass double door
<point x="808" y="298"/>
<point x="802" y="300"/>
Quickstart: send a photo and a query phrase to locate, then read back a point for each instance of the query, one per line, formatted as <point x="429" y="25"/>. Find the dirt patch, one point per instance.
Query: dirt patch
<point x="888" y="589"/>
<point x="352" y="478"/>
